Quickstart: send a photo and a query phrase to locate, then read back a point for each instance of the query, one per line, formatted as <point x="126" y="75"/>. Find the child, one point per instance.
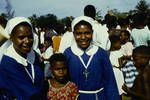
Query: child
<point x="134" y="67"/>
<point x="126" y="44"/>
<point x="141" y="87"/>
<point x="89" y="65"/>
<point x="45" y="51"/>
<point x="115" y="59"/>
<point x="60" y="88"/>
<point x="115" y="52"/>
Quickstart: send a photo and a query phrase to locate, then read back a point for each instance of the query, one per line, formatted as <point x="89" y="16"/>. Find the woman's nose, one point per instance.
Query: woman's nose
<point x="27" y="40"/>
<point x="82" y="36"/>
<point x="60" y="70"/>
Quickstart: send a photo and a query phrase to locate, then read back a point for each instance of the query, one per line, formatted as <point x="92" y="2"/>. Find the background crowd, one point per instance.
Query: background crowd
<point x="84" y="58"/>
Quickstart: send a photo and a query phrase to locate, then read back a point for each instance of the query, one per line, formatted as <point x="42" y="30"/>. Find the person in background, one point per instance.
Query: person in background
<point x="100" y="32"/>
<point x="45" y="51"/>
<point x="115" y="56"/>
<point x="111" y="20"/>
<point x="60" y="88"/>
<point x="141" y="33"/>
<point x="57" y="38"/>
<point x="21" y="77"/>
<point x="124" y="23"/>
<point x="141" y="86"/>
<point x="89" y="65"/>
<point x="126" y="44"/>
<point x="133" y="68"/>
<point x="67" y="38"/>
<point x="115" y="53"/>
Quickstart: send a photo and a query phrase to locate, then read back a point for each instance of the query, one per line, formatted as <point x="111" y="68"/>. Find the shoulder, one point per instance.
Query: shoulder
<point x="67" y="51"/>
<point x="146" y="72"/>
<point x="101" y="51"/>
<point x="129" y="63"/>
<point x="128" y="66"/>
<point x="6" y="60"/>
<point x="117" y="53"/>
<point x="9" y="65"/>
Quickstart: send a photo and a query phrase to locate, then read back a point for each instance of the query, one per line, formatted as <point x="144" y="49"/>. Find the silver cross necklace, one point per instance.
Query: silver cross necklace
<point x="86" y="73"/>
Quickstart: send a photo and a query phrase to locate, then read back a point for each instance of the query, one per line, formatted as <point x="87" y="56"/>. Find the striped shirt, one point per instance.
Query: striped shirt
<point x="129" y="72"/>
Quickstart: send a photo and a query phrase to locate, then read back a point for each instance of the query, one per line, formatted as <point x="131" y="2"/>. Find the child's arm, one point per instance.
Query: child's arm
<point x="146" y="76"/>
<point x="132" y="93"/>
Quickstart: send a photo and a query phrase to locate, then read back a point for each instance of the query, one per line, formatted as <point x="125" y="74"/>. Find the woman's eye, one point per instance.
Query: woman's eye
<point x="87" y="33"/>
<point x="21" y="37"/>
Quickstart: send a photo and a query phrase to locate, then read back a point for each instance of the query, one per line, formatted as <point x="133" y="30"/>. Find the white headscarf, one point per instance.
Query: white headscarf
<point x="11" y="24"/>
<point x="92" y="49"/>
<point x="81" y="18"/>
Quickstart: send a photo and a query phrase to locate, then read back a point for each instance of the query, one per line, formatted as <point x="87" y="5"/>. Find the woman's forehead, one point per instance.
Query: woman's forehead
<point x="82" y="26"/>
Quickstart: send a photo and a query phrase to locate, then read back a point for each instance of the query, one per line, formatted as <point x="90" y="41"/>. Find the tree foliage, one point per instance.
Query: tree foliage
<point x="51" y="20"/>
<point x="120" y="14"/>
<point x="98" y="15"/>
<point x="48" y="20"/>
<point x="142" y="6"/>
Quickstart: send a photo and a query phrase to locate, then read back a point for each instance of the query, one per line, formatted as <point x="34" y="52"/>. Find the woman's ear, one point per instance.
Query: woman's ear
<point x="11" y="37"/>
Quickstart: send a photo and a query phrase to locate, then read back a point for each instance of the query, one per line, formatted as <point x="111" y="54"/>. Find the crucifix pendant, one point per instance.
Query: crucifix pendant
<point x="86" y="74"/>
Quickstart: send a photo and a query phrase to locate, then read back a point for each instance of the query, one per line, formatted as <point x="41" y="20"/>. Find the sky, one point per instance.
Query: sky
<point x="64" y="8"/>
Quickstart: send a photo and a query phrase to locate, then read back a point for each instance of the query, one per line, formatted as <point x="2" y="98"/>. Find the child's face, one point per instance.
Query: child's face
<point x="140" y="60"/>
<point x="59" y="70"/>
<point x="22" y="39"/>
<point x="117" y="45"/>
<point x="123" y="37"/>
<point x="83" y="36"/>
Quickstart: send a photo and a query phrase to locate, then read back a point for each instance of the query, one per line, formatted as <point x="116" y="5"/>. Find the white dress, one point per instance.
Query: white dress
<point x="114" y="55"/>
<point x="127" y="49"/>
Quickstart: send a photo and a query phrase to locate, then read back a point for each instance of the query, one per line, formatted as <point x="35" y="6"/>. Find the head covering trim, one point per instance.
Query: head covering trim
<point x="12" y="23"/>
<point x="80" y="18"/>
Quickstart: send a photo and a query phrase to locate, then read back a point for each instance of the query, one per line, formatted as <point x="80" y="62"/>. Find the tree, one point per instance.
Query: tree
<point x="33" y="19"/>
<point x="142" y="6"/>
<point x="48" y="21"/>
<point x="9" y="12"/>
<point x="98" y="15"/>
<point x="4" y="15"/>
<point x="120" y="14"/>
<point x="67" y="20"/>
